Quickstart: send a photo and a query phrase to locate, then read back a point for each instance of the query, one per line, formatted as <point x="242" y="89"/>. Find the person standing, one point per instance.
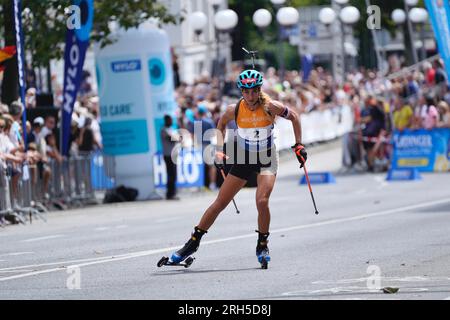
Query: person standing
<point x="169" y="139"/>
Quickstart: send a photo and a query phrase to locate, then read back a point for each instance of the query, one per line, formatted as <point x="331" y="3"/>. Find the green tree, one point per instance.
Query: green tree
<point x="44" y="26"/>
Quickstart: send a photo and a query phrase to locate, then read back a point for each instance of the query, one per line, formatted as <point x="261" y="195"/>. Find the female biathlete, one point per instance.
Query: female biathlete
<point x="254" y="115"/>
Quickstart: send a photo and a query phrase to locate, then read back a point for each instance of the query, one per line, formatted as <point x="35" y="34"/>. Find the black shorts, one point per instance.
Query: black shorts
<point x="245" y="170"/>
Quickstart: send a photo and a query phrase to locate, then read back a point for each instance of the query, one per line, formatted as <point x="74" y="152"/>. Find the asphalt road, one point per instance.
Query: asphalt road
<point x="370" y="234"/>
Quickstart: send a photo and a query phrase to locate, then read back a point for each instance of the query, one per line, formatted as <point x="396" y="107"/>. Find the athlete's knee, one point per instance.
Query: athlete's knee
<point x="262" y="202"/>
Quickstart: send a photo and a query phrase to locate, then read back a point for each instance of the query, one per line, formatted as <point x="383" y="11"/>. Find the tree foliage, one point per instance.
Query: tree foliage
<point x="44" y="23"/>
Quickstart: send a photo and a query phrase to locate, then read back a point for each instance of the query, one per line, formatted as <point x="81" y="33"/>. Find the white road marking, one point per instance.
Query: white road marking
<point x="14" y="254"/>
<point x="43" y="238"/>
<point x="163" y="250"/>
<point x="61" y="263"/>
<point x="448" y="298"/>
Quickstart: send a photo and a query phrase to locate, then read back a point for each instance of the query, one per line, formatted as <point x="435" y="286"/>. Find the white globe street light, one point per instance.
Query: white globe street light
<point x="327" y="16"/>
<point x="287" y="16"/>
<point x="341" y="2"/>
<point x="398" y="16"/>
<point x="411" y="3"/>
<point x="262" y="18"/>
<point x="418" y="15"/>
<point x="349" y="15"/>
<point x="225" y="20"/>
<point x="198" y="21"/>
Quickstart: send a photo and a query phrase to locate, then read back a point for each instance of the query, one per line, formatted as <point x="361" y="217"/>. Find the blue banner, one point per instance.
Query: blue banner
<point x="20" y="63"/>
<point x="439" y="12"/>
<point x="77" y="42"/>
<point x="425" y="150"/>
<point x="190" y="169"/>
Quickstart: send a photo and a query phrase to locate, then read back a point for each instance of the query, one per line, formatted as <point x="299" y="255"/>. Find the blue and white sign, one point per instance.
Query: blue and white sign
<point x="126" y="66"/>
<point x="190" y="170"/>
<point x="426" y="150"/>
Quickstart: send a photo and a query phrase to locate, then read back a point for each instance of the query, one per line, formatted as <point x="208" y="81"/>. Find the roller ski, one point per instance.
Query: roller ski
<point x="262" y="251"/>
<point x="183" y="257"/>
<point x="166" y="261"/>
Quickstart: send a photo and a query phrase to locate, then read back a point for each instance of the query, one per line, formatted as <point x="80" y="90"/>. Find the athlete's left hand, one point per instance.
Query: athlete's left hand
<point x="300" y="153"/>
<point x="219" y="160"/>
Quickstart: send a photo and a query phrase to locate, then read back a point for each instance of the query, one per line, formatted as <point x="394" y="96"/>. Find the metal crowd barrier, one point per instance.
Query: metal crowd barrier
<point x="75" y="180"/>
<point x="36" y="188"/>
<point x="6" y="204"/>
<point x="24" y="202"/>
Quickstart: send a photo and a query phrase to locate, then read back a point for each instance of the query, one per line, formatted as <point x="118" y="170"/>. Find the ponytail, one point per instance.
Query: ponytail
<point x="264" y="100"/>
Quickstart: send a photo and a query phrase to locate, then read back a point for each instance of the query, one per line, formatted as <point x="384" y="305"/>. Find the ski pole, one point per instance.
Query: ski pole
<point x="224" y="176"/>
<point x="309" y="186"/>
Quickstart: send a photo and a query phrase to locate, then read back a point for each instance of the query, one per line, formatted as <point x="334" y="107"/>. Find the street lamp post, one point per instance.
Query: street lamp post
<point x="262" y="19"/>
<point x="348" y="15"/>
<point x="419" y="16"/>
<point x="198" y="21"/>
<point x="224" y="21"/>
<point x="286" y="17"/>
<point x="408" y="4"/>
<point x="278" y="4"/>
<point x="216" y="5"/>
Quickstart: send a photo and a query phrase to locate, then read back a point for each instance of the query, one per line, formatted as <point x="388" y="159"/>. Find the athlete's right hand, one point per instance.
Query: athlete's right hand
<point x="219" y="160"/>
<point x="300" y="153"/>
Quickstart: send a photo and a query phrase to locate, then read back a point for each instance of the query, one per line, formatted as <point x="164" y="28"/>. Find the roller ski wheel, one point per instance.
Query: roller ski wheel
<point x="165" y="261"/>
<point x="188" y="262"/>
